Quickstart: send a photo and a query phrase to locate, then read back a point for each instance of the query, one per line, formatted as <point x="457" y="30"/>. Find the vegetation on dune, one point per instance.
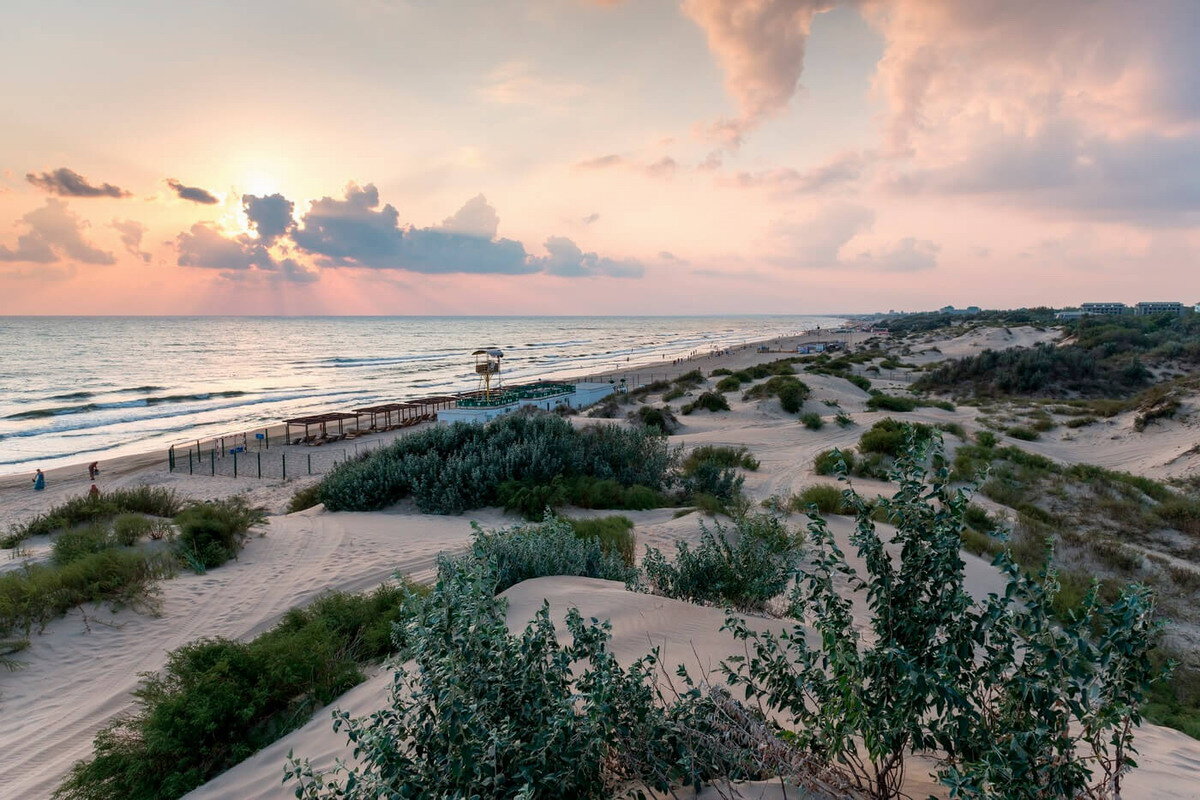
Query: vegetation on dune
<point x="707" y="401"/>
<point x="448" y="470"/>
<point x="791" y="391"/>
<point x="722" y="456"/>
<point x="155" y="501"/>
<point x="218" y="701"/>
<point x="661" y="418"/>
<point x="942" y="672"/>
<point x="531" y="498"/>
<point x="744" y="565"/>
<point x="926" y="322"/>
<point x="214" y="531"/>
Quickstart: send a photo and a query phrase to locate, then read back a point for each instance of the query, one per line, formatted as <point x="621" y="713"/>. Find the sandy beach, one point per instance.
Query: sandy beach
<point x="79" y="672"/>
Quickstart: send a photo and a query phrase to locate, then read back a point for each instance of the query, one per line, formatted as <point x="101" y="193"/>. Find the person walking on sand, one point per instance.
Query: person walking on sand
<point x="39" y="481"/>
<point x="93" y="493"/>
<point x="93" y="470"/>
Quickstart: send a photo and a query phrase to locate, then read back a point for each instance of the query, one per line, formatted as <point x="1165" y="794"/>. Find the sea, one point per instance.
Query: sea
<point x="78" y="389"/>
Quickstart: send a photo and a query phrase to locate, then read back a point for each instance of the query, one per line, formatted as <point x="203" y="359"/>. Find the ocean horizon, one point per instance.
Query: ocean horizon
<point x="96" y="387"/>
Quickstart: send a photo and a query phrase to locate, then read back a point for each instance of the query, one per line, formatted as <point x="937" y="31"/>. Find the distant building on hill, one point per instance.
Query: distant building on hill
<point x="953" y="310"/>
<point x="1070" y="313"/>
<point x="1146" y="308"/>
<point x="1103" y="309"/>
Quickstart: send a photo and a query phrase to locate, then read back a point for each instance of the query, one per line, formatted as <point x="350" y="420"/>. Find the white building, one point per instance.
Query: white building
<point x="1105" y="308"/>
<point x="1146" y="308"/>
<point x="544" y="396"/>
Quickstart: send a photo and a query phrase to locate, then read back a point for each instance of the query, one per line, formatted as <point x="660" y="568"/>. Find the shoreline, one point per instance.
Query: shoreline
<point x="18" y="496"/>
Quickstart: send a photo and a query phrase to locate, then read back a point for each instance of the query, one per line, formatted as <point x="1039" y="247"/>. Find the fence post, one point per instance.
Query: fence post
<point x="189" y="461"/>
<point x="235" y="463"/>
<point x="283" y="464"/>
<point x="260" y="465"/>
<point x="310" y="463"/>
<point x="212" y="457"/>
<point x="171" y="459"/>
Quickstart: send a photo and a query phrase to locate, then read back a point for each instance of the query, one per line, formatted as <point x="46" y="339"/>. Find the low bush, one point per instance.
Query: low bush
<point x="483" y="712"/>
<point x="615" y="535"/>
<point x="77" y="543"/>
<point x="214" y="531"/>
<point x="534" y="550"/>
<point x="674" y="394"/>
<point x="129" y="529"/>
<point x="156" y="501"/>
<point x="531" y="499"/>
<point x="791" y="391"/>
<point x="450" y="469"/>
<point x="728" y="384"/>
<point x="936" y="672"/>
<point x="888" y="436"/>
<point x="1023" y="433"/>
<point x="812" y="421"/>
<point x="708" y="401"/>
<point x="36" y="594"/>
<point x="1081" y="422"/>
<point x="986" y="439"/>
<point x="721" y="455"/>
<point x="821" y="497"/>
<point x="661" y="419"/>
<point x="744" y="566"/>
<point x="861" y="381"/>
<point x="843" y="420"/>
<point x="218" y="701"/>
<point x="887" y="402"/>
<point x="304" y="498"/>
<point x="826" y="462"/>
<point x="690" y="380"/>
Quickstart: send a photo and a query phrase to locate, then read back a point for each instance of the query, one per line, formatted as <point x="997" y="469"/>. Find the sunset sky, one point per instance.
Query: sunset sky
<point x="574" y="157"/>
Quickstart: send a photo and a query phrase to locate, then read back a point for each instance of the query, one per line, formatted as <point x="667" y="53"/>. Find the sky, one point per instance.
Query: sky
<point x="596" y="156"/>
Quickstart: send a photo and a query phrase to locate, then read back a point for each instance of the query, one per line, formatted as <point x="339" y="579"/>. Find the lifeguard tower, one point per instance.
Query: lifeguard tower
<point x="487" y="367"/>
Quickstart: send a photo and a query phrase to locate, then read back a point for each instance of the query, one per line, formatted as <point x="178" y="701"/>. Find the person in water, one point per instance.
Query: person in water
<point x="39" y="481"/>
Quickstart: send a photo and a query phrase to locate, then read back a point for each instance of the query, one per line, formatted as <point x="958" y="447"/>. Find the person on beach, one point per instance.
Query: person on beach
<point x="39" y="481"/>
<point x="93" y="493"/>
<point x="93" y="470"/>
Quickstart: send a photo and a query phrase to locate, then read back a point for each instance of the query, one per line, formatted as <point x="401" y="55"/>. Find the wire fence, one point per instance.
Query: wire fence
<point x="270" y="457"/>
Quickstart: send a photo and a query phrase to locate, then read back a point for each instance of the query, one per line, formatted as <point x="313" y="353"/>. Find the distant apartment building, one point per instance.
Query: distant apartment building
<point x="1146" y="308"/>
<point x="1104" y="309"/>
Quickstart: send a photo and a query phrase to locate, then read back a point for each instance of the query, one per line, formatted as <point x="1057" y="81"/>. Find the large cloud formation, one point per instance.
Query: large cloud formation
<point x="1083" y="107"/>
<point x="53" y="233"/>
<point x="69" y="183"/>
<point x="356" y="231"/>
<point x="760" y="46"/>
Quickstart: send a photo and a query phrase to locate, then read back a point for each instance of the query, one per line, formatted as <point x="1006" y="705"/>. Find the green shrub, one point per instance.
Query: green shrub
<point x="986" y="439"/>
<point x="479" y="711"/>
<point x="1080" y="422"/>
<point x="1023" y="433"/>
<point x="74" y="544"/>
<point x="728" y="384"/>
<point x="843" y="420"/>
<point x="812" y="421"/>
<point x="937" y="670"/>
<point x="218" y="701"/>
<point x="825" y="498"/>
<point x="304" y="498"/>
<point x="887" y="402"/>
<point x="534" y="550"/>
<point x="615" y="535"/>
<point x="954" y="428"/>
<point x="214" y="531"/>
<point x="690" y="379"/>
<point x="37" y="593"/>
<point x="888" y="436"/>
<point x="791" y="391"/>
<point x="450" y="469"/>
<point x="660" y="419"/>
<point x="674" y="394"/>
<point x="531" y="499"/>
<point x="708" y="401"/>
<point x="826" y="462"/>
<point x="720" y="455"/>
<point x="156" y="501"/>
<point x="720" y="371"/>
<point x="129" y="529"/>
<point x="745" y="566"/>
<point x="861" y="381"/>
